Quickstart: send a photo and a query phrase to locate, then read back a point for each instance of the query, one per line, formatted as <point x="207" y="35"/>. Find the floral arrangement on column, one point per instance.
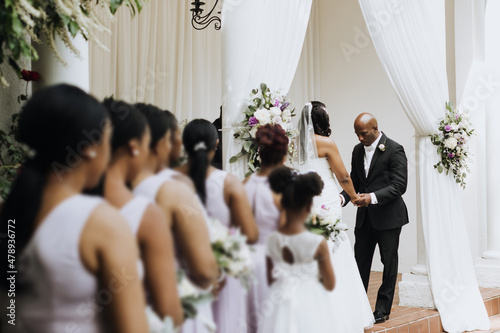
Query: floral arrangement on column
<point x="23" y="22"/>
<point x="12" y="153"/>
<point x="452" y="142"/>
<point x="264" y="108"/>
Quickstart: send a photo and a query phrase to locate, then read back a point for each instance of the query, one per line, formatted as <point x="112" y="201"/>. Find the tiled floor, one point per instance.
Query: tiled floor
<point x="417" y="320"/>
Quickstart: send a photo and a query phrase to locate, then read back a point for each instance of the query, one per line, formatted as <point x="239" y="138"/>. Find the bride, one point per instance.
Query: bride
<point x="318" y="152"/>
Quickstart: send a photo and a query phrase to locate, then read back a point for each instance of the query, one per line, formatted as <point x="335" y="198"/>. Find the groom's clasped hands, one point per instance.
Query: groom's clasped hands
<point x="362" y="200"/>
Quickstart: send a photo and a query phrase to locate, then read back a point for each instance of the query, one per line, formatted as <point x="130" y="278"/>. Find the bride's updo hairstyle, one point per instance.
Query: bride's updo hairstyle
<point x="320" y="119"/>
<point x="58" y="123"/>
<point x="298" y="190"/>
<point x="273" y="144"/>
<point x="199" y="138"/>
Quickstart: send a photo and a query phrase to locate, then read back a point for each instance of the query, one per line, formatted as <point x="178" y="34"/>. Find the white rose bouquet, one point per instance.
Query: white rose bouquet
<point x="452" y="140"/>
<point x="190" y="295"/>
<point x="232" y="252"/>
<point x="324" y="222"/>
<point x="264" y="108"/>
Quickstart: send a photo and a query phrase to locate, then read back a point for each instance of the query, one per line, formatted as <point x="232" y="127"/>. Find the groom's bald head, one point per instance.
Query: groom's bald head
<point x="366" y="128"/>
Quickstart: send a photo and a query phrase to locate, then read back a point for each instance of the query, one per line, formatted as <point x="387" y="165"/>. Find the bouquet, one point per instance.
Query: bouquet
<point x="232" y="252"/>
<point x="190" y="295"/>
<point x="265" y="108"/>
<point x="452" y="141"/>
<point x="324" y="222"/>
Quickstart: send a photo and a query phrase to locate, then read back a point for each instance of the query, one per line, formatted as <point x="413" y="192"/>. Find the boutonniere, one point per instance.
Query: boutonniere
<point x="382" y="145"/>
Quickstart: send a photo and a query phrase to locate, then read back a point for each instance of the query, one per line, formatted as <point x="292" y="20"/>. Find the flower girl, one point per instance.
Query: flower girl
<point x="298" y="262"/>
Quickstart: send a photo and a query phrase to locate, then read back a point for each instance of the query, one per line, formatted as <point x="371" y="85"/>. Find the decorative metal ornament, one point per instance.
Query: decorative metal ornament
<point x="200" y="21"/>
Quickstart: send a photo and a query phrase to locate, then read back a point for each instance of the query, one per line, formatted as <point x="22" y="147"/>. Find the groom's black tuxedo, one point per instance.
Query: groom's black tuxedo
<point x="380" y="223"/>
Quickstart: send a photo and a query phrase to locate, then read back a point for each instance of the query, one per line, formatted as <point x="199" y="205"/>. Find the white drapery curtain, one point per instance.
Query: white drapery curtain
<point x="409" y="37"/>
<point x="157" y="57"/>
<point x="261" y="43"/>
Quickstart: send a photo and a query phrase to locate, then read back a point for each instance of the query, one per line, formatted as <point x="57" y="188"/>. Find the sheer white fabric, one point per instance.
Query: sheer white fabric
<point x="307" y="152"/>
<point x="157" y="57"/>
<point x="261" y="43"/>
<point x="411" y="47"/>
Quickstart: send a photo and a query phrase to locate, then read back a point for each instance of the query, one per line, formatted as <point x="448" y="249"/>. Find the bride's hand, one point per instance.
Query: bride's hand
<point x="354" y="199"/>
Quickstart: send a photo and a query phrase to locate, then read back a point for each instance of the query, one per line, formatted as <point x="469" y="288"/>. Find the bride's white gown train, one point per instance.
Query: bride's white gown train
<point x="352" y="312"/>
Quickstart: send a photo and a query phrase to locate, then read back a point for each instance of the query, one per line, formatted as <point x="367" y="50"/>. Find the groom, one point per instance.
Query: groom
<point x="379" y="173"/>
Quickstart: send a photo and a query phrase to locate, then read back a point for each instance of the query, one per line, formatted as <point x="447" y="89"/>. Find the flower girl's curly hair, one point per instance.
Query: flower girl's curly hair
<point x="298" y="189"/>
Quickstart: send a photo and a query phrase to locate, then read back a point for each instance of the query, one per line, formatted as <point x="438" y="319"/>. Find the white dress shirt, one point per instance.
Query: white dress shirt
<point x="369" y="152"/>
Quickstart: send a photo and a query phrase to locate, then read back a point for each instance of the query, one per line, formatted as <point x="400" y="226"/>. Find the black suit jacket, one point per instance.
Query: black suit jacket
<point x="387" y="178"/>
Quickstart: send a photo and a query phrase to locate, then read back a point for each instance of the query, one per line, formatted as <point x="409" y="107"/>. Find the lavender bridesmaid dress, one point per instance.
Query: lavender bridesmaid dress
<point x="230" y="307"/>
<point x="267" y="217"/>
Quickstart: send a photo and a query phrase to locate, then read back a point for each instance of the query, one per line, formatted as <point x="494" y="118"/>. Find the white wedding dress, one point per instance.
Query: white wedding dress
<point x="351" y="308"/>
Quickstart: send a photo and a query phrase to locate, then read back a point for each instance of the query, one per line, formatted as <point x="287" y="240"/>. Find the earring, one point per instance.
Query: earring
<point x="135" y="152"/>
<point x="92" y="154"/>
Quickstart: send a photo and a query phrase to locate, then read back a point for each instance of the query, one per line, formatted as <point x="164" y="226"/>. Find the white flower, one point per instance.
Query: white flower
<point x="277" y="120"/>
<point x="288" y="126"/>
<point x="381" y="147"/>
<point x="275" y="111"/>
<point x="287" y="116"/>
<point x="253" y="131"/>
<point x="450" y="143"/>
<point x="341" y="226"/>
<point x="263" y="116"/>
<point x="187" y="289"/>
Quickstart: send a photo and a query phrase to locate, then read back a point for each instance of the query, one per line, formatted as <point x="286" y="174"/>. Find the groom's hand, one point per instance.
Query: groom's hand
<point x="364" y="199"/>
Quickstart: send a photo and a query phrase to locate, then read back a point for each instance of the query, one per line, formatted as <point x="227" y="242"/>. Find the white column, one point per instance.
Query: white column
<point x="52" y="71"/>
<point x="492" y="121"/>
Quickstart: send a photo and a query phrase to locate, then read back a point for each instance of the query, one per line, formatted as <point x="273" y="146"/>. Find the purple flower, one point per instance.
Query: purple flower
<point x="451" y="155"/>
<point x="252" y="121"/>
<point x="448" y="128"/>
<point x="284" y="106"/>
<point x="276" y="103"/>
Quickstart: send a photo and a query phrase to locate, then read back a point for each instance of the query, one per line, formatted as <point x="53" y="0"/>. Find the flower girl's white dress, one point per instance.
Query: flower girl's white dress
<point x="297" y="300"/>
<point x="351" y="307"/>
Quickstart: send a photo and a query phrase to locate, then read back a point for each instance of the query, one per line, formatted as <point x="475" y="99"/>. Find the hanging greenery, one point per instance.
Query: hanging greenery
<point x="25" y="21"/>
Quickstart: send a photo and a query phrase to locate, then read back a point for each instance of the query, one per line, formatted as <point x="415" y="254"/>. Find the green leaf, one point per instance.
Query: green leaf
<point x="139" y="5"/>
<point x="252" y="108"/>
<point x="114" y="4"/>
<point x="247" y="145"/>
<point x="263" y="87"/>
<point x="73" y="28"/>
<point x="440" y="169"/>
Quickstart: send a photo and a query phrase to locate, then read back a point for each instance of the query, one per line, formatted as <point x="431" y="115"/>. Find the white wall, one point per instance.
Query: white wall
<point x="349" y="86"/>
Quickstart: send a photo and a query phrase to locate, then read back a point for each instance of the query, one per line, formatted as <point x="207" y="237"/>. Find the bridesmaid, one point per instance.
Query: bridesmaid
<point x="184" y="212"/>
<point x="130" y="148"/>
<point x="77" y="259"/>
<point x="273" y="149"/>
<point x="225" y="199"/>
<point x="175" y="152"/>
